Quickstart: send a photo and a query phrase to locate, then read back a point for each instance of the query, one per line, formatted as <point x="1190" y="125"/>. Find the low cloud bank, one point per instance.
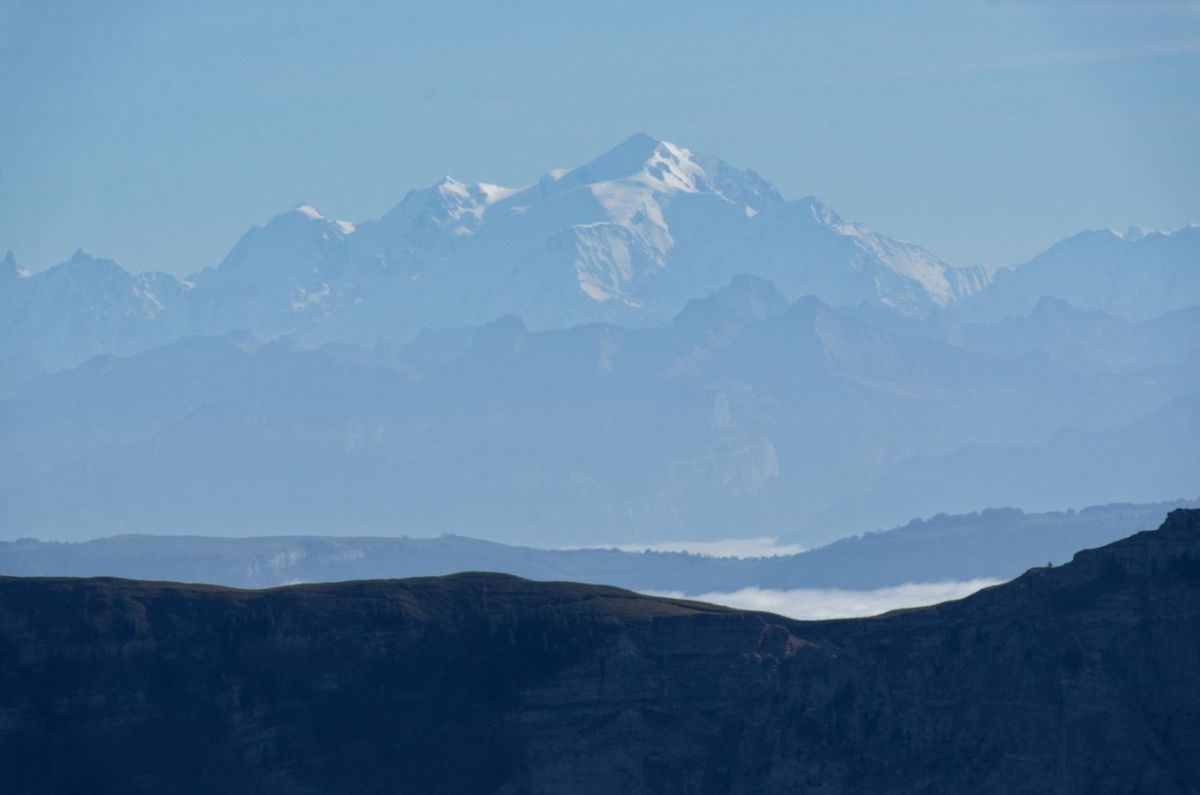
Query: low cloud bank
<point x="758" y="547"/>
<point x="822" y="603"/>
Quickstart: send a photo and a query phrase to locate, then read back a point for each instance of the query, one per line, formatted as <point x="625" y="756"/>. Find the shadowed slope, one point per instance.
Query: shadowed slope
<point x="1081" y="678"/>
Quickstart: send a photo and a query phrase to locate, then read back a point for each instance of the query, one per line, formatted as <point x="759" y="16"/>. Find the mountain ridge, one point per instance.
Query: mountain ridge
<point x="628" y="237"/>
<point x="1135" y="275"/>
<point x="747" y="410"/>
<point x="995" y="544"/>
<point x="487" y="683"/>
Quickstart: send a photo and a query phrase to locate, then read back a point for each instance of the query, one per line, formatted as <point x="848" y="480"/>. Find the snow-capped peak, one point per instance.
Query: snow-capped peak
<point x="942" y="283"/>
<point x="494" y="193"/>
<point x="657" y="164"/>
<point x="648" y="166"/>
<point x="674" y="168"/>
<point x="481" y="193"/>
<point x="313" y="214"/>
<point x="449" y="186"/>
<point x="1130" y="234"/>
<point x="449" y="204"/>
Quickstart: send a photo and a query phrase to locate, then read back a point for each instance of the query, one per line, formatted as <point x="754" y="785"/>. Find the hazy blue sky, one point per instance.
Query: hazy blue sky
<point x="155" y="133"/>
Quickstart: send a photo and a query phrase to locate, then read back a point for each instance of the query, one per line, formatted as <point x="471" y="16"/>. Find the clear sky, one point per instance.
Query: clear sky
<point x="156" y="133"/>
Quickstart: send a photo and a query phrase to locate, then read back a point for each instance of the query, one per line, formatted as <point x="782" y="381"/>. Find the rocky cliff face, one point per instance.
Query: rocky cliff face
<point x="1080" y="678"/>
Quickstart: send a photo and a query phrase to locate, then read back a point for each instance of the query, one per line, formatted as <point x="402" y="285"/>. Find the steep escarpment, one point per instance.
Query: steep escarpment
<point x="1079" y="678"/>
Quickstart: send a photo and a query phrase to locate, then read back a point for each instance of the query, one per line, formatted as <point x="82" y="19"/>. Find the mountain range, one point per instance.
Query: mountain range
<point x="627" y="238"/>
<point x="1079" y="678"/>
<point x="655" y="345"/>
<point x="996" y="544"/>
<point x="1135" y="274"/>
<point x="747" y="415"/>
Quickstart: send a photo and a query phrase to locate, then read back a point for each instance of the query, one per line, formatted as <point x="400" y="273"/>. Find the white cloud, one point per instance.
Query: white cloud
<point x="759" y="547"/>
<point x="823" y="603"/>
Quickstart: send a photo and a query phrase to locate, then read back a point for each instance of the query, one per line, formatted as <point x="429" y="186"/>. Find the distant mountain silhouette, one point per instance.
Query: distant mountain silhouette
<point x="993" y="544"/>
<point x="1136" y="274"/>
<point x="749" y="415"/>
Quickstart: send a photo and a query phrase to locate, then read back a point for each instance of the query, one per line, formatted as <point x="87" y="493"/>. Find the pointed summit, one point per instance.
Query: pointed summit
<point x="645" y="162"/>
<point x="449" y="186"/>
<point x="449" y="206"/>
<point x="625" y="159"/>
<point x="83" y="266"/>
<point x="9" y="268"/>
<point x="83" y="262"/>
<point x="643" y="158"/>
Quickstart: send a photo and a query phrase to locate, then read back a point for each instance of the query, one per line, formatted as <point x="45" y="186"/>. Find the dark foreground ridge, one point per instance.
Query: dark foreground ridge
<point x="1083" y="678"/>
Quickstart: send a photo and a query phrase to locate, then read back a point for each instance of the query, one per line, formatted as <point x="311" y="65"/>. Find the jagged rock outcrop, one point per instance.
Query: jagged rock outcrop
<point x="1079" y="678"/>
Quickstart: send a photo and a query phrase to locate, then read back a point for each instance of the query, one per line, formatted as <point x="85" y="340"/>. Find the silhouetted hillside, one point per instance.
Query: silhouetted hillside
<point x="1079" y="678"/>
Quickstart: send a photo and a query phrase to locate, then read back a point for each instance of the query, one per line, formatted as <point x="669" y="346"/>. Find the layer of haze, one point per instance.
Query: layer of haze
<point x="758" y="547"/>
<point x="819" y="604"/>
<point x="156" y="133"/>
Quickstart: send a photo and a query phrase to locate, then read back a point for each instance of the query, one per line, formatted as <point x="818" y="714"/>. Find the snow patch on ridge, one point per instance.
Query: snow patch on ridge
<point x="313" y="214"/>
<point x="307" y="299"/>
<point x="495" y="193"/>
